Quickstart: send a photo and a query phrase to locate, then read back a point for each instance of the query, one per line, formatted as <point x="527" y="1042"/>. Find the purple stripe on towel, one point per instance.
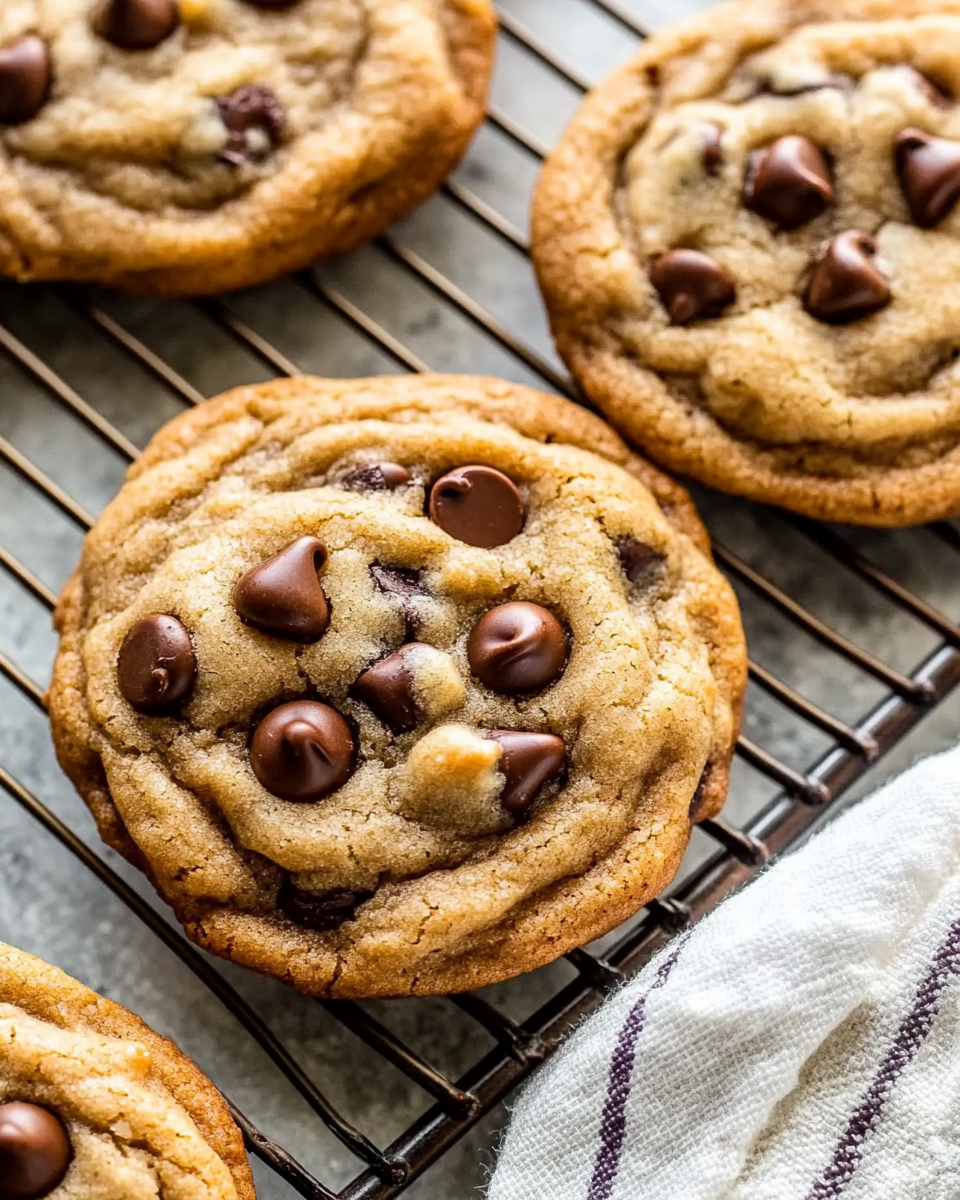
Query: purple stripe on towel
<point x="613" y="1123"/>
<point x="912" y="1033"/>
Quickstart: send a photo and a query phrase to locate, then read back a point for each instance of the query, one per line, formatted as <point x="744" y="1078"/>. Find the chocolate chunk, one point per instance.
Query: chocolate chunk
<point x="929" y="172"/>
<point x="387" y="688"/>
<point x="635" y="556"/>
<point x="302" y="751"/>
<point x="396" y="581"/>
<point x="283" y="596"/>
<point x="255" y="121"/>
<point x="517" y="647"/>
<point x="25" y="77"/>
<point x="477" y="505"/>
<point x="692" y="285"/>
<point x="35" y="1151"/>
<point x="319" y="913"/>
<point x="845" y="284"/>
<point x="136" y="24"/>
<point x="157" y="666"/>
<point x="790" y="183"/>
<point x="529" y="760"/>
<point x="713" y="158"/>
<point x="377" y="477"/>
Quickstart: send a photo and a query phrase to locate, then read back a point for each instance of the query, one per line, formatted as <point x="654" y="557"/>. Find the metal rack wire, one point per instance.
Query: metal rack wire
<point x="804" y="795"/>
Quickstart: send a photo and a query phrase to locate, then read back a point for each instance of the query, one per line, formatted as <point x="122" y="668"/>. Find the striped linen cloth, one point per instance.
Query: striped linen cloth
<point x="801" y="1043"/>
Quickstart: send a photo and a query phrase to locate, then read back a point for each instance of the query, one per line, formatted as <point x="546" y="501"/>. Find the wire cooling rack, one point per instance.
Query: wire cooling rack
<point x="800" y="797"/>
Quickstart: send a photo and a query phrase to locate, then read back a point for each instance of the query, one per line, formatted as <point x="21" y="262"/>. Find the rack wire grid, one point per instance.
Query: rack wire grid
<point x="446" y="289"/>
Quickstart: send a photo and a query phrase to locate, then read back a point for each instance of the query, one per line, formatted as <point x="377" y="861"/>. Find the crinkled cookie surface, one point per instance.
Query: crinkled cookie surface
<point x="94" y="1103"/>
<point x="398" y="685"/>
<point x="193" y="145"/>
<point x="748" y="240"/>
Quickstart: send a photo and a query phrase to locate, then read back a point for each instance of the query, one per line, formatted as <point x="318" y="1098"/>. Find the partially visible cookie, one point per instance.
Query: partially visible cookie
<point x="748" y="240"/>
<point x="189" y="146"/>
<point x="398" y="685"/>
<point x="94" y="1103"/>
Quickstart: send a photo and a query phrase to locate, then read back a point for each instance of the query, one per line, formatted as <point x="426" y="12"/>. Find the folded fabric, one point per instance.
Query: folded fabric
<point x="801" y="1043"/>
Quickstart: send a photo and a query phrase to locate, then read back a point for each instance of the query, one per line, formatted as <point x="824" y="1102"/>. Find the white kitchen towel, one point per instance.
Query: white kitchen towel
<point x="801" y="1043"/>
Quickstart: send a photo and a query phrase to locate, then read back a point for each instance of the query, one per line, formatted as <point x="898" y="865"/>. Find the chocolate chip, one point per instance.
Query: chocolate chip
<point x="529" y="760"/>
<point x="25" y="77"/>
<point x="517" y="647"/>
<point x="789" y="183"/>
<point x="319" y="913"/>
<point x="387" y="688"/>
<point x="929" y="172"/>
<point x="136" y="24"/>
<point x="302" y="751"/>
<point x="635" y="556"/>
<point x="713" y="157"/>
<point x="35" y="1151"/>
<point x="255" y="121"/>
<point x="845" y="284"/>
<point x="477" y="505"/>
<point x="283" y="596"/>
<point x="157" y="666"/>
<point x="377" y="477"/>
<point x="692" y="285"/>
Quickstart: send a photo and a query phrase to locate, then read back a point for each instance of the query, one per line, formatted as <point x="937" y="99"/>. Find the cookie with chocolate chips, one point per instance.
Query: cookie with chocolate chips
<point x="397" y="685"/>
<point x="94" y="1103"/>
<point x="748" y="241"/>
<point x="184" y="147"/>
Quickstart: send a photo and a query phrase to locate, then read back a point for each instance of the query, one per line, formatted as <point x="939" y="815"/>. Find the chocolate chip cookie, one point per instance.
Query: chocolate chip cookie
<point x="397" y="685"/>
<point x="748" y="240"/>
<point x="94" y="1103"/>
<point x="189" y="146"/>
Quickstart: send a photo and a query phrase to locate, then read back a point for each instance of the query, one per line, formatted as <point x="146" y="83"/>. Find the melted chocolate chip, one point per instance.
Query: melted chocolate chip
<point x="929" y="172"/>
<point x="635" y="556"/>
<point x="254" y="119"/>
<point x="387" y="689"/>
<point x="302" y="751"/>
<point x="790" y="183"/>
<point x="529" y="760"/>
<point x="845" y="284"/>
<point x="691" y="286"/>
<point x="517" y="647"/>
<point x="157" y="666"/>
<point x="477" y="505"/>
<point x="377" y="477"/>
<point x="713" y="158"/>
<point x="283" y="596"/>
<point x="35" y="1151"/>
<point x="25" y="77"/>
<point x="136" y="24"/>
<point x="319" y="913"/>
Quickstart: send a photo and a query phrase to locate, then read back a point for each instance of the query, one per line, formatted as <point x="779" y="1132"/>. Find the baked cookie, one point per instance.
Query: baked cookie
<point x="94" y="1103"/>
<point x="188" y="146"/>
<point x="397" y="685"/>
<point x="748" y="240"/>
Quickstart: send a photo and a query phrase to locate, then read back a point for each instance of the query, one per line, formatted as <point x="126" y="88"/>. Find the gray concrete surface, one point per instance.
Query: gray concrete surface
<point x="51" y="905"/>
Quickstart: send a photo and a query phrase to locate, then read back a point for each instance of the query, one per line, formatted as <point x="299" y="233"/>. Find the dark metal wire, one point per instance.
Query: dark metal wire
<point x="519" y="1048"/>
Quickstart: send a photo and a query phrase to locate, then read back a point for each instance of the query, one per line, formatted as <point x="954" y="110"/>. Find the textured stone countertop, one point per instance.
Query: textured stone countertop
<point x="51" y="905"/>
